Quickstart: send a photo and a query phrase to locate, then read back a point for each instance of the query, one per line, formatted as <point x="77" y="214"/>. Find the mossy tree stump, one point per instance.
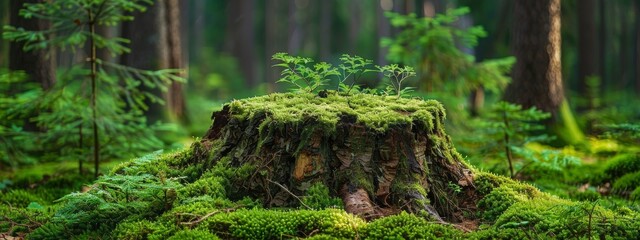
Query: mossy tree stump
<point x="379" y="154"/>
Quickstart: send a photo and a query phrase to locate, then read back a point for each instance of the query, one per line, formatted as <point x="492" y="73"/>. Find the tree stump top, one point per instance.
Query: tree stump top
<point x="377" y="113"/>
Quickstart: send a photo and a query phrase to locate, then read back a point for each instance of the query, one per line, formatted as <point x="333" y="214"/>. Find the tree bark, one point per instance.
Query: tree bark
<point x="408" y="167"/>
<point x="588" y="60"/>
<point x="174" y="59"/>
<point x="240" y="38"/>
<point x="275" y="41"/>
<point x="537" y="76"/>
<point x="148" y="48"/>
<point x="39" y="65"/>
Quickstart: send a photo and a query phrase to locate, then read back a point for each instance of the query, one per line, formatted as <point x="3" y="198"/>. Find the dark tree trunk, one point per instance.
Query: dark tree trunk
<point x="636" y="9"/>
<point x="147" y="50"/>
<point x="326" y="13"/>
<point x="537" y="76"/>
<point x="588" y="60"/>
<point x="174" y="59"/>
<point x="240" y="38"/>
<point x="275" y="40"/>
<point x="39" y="65"/>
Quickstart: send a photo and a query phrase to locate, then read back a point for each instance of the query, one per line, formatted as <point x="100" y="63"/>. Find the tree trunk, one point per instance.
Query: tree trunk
<point x="275" y="41"/>
<point x="326" y="14"/>
<point x="174" y="59"/>
<point x="147" y="50"/>
<point x="588" y="64"/>
<point x="409" y="166"/>
<point x="240" y="38"/>
<point x="39" y="65"/>
<point x="537" y="76"/>
<point x="636" y="8"/>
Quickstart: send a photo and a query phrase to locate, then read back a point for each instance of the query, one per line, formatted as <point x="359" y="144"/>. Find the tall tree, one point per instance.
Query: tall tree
<point x="39" y="65"/>
<point x="588" y="60"/>
<point x="174" y="59"/>
<point x="240" y="38"/>
<point x="147" y="49"/>
<point x="537" y="76"/>
<point x="275" y="41"/>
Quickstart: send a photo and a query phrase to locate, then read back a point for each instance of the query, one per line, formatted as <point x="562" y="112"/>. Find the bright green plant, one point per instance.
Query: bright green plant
<point x="115" y="99"/>
<point x="306" y="78"/>
<point x="299" y="72"/>
<point x="396" y="76"/>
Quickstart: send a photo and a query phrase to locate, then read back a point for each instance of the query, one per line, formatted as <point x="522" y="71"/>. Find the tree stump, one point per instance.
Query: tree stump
<point x="379" y="154"/>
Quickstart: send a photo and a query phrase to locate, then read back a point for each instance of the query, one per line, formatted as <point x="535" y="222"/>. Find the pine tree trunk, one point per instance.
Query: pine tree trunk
<point x="174" y="59"/>
<point x="147" y="50"/>
<point x="37" y="65"/>
<point x="588" y="64"/>
<point x="240" y="38"/>
<point x="537" y="76"/>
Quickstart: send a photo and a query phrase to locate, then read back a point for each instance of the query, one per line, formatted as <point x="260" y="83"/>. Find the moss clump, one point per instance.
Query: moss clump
<point x="376" y="112"/>
<point x="20" y="198"/>
<point x="408" y="226"/>
<point x="193" y="235"/>
<point x="627" y="182"/>
<point x="272" y="224"/>
<point x="317" y="197"/>
<point x="206" y="186"/>
<point x="621" y="165"/>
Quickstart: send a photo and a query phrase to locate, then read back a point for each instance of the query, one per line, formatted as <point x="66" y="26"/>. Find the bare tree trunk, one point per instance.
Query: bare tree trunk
<point x="240" y="38"/>
<point x="39" y="65"/>
<point x="636" y="9"/>
<point x="383" y="30"/>
<point x="147" y="50"/>
<point x="275" y="41"/>
<point x="294" y="42"/>
<point x="326" y="12"/>
<point x="588" y="64"/>
<point x="537" y="75"/>
<point x="355" y="24"/>
<point x="175" y="97"/>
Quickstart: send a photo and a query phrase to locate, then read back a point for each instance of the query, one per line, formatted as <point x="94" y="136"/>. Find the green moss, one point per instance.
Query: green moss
<point x="193" y="235"/>
<point x="273" y="224"/>
<point x="206" y="186"/>
<point x="376" y="112"/>
<point x="627" y="182"/>
<point x="635" y="195"/>
<point x="622" y="164"/>
<point x="20" y="198"/>
<point x="407" y="226"/>
<point x="317" y="197"/>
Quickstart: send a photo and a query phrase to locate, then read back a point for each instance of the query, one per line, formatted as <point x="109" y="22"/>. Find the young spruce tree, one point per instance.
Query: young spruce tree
<point x="111" y="91"/>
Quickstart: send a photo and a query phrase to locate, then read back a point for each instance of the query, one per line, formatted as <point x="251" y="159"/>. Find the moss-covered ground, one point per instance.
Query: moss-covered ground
<point x="177" y="196"/>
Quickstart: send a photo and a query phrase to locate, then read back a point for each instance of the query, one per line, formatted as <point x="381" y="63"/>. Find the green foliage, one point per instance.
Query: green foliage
<point x="621" y="165"/>
<point x="396" y="76"/>
<point x="627" y="182"/>
<point x="300" y="72"/>
<point x="433" y="47"/>
<point x="626" y="132"/>
<point x="317" y="197"/>
<point x="408" y="226"/>
<point x="507" y="133"/>
<point x="116" y="98"/>
<point x="19" y="198"/>
<point x="205" y="186"/>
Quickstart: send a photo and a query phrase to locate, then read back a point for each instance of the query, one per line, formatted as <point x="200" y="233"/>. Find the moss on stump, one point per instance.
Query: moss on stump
<point x="380" y="154"/>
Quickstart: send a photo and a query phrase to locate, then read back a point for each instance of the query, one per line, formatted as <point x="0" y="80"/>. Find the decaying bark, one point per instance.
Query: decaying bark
<point x="406" y="168"/>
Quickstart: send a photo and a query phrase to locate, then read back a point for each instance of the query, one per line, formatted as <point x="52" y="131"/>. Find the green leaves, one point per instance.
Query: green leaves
<point x="300" y="72"/>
